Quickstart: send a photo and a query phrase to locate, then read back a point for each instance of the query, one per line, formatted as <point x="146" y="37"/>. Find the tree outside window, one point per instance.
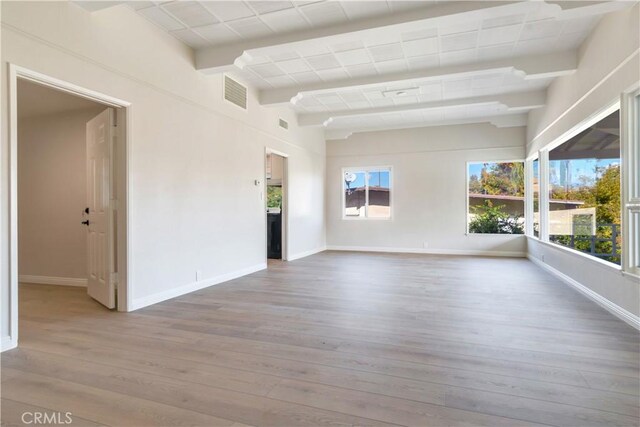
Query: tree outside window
<point x="496" y="198"/>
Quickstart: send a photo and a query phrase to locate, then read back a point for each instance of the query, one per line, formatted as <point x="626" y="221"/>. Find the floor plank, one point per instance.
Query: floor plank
<point x="333" y="339"/>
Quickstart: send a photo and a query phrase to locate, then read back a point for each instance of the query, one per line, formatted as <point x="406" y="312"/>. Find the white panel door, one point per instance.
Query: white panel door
<point x="101" y="284"/>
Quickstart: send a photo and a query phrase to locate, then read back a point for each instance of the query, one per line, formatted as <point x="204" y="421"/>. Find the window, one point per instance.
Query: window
<point x="584" y="191"/>
<point x="496" y="198"/>
<point x="367" y="193"/>
<point x="536" y="198"/>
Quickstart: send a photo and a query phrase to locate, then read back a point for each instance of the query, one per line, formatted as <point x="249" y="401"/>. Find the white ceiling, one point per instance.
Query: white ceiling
<point x="37" y="100"/>
<point x="415" y="50"/>
<point x="213" y="23"/>
<point x="324" y="55"/>
<point x="428" y="90"/>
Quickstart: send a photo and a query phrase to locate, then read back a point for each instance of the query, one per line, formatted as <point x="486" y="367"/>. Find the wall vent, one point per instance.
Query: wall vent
<point x="283" y="124"/>
<point x="235" y="93"/>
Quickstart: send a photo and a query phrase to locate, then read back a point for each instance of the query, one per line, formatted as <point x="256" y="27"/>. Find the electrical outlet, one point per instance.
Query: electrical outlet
<point x="198" y="275"/>
<point x="425" y="244"/>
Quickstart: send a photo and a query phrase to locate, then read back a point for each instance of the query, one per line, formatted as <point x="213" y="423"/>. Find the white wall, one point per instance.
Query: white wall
<point x="193" y="157"/>
<point x="609" y="64"/>
<point x="52" y="194"/>
<point x="429" y="188"/>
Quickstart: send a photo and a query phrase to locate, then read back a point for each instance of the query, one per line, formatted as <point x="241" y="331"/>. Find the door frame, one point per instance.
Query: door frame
<point x="285" y="203"/>
<point x="122" y="157"/>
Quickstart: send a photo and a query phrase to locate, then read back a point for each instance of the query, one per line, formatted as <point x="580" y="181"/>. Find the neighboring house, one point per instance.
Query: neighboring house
<point x="563" y="214"/>
<point x="378" y="201"/>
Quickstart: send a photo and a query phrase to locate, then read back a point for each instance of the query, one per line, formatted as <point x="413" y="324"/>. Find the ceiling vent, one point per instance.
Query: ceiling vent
<point x="283" y="124"/>
<point x="235" y="93"/>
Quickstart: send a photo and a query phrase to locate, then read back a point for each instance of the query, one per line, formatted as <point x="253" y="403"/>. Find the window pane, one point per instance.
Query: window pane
<point x="354" y="194"/>
<point x="496" y="198"/>
<point x="584" y="191"/>
<point x="379" y="203"/>
<point x="536" y="198"/>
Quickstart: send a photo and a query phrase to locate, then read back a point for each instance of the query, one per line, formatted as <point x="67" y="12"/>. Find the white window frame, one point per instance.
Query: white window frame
<point x="630" y="198"/>
<point x="466" y="212"/>
<point x="366" y="170"/>
<point x="528" y="195"/>
<point x="543" y="156"/>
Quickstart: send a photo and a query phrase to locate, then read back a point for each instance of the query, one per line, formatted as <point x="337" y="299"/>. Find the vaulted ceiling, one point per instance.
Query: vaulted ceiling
<point x="353" y="66"/>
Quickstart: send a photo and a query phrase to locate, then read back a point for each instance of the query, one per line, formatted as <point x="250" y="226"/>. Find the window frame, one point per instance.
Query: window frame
<point x="366" y="170"/>
<point x="466" y="185"/>
<point x="630" y="197"/>
<point x="543" y="156"/>
<point x="529" y="210"/>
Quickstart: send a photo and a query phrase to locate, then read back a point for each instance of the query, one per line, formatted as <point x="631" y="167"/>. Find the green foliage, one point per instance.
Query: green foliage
<point x="607" y="196"/>
<point x="274" y="196"/>
<point x="492" y="219"/>
<point x="604" y="195"/>
<point x="499" y="178"/>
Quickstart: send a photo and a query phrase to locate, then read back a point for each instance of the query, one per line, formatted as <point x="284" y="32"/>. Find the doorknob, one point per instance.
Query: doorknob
<point x="86" y="222"/>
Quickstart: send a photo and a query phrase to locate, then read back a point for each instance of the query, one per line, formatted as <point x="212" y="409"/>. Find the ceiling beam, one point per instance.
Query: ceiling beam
<point x="500" y="121"/>
<point x="522" y="101"/>
<point x="97" y="5"/>
<point x="222" y="58"/>
<point x="530" y="66"/>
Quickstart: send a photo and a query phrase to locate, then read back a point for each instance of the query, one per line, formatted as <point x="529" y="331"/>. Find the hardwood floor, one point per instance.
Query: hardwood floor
<point x="333" y="339"/>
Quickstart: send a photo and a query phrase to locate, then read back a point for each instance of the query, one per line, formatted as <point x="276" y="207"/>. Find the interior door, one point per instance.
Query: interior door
<point x="99" y="217"/>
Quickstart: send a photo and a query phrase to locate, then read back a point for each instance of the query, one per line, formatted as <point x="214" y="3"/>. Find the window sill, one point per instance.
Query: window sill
<point x="596" y="261"/>
<point x="364" y="219"/>
<point x="493" y="234"/>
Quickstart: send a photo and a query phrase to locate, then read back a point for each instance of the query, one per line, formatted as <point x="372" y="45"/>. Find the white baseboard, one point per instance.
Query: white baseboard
<point x="306" y="253"/>
<point x="7" y="343"/>
<point x="512" y="254"/>
<point x="613" y="308"/>
<point x="49" y="280"/>
<point x="192" y="287"/>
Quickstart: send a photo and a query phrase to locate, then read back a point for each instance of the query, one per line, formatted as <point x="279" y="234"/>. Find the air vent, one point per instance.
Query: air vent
<point x="235" y="93"/>
<point x="284" y="124"/>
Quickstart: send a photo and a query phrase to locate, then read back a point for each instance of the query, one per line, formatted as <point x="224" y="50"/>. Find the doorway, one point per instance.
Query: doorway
<point x="68" y="192"/>
<point x="276" y="205"/>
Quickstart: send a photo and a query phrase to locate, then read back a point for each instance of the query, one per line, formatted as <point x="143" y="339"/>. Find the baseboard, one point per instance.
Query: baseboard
<point x="192" y="287"/>
<point x="7" y="343"/>
<point x="512" y="254"/>
<point x="49" y="280"/>
<point x="306" y="253"/>
<point x="613" y="308"/>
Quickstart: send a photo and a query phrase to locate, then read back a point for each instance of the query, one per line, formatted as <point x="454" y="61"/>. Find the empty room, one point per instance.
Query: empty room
<point x="307" y="213"/>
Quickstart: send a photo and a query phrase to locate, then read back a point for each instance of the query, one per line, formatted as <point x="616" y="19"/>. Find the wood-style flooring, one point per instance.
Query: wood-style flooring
<point x="333" y="339"/>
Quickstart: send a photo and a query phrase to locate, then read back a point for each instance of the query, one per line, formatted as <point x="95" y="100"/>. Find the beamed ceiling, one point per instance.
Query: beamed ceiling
<point x="354" y="66"/>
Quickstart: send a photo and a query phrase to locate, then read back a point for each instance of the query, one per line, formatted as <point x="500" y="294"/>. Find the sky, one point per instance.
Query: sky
<point x="375" y="179"/>
<point x="577" y="167"/>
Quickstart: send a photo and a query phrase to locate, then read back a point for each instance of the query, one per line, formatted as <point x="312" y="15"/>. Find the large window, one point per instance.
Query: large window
<point x="367" y="193"/>
<point x="584" y="191"/>
<point x="496" y="198"/>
